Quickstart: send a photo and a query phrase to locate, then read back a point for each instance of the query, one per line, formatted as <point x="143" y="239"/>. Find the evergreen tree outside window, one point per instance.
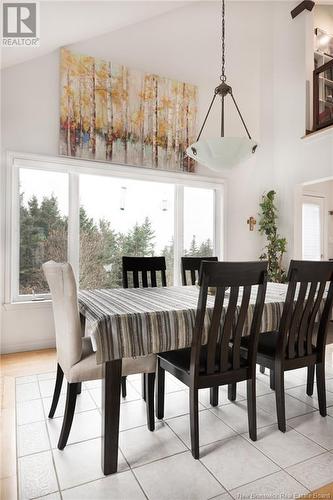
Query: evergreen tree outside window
<point x="43" y="226"/>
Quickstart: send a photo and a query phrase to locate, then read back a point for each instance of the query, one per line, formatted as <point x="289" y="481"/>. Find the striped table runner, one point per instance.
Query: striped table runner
<point x="125" y="323"/>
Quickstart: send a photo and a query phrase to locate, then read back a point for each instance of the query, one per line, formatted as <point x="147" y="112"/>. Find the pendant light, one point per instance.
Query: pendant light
<point x="222" y="152"/>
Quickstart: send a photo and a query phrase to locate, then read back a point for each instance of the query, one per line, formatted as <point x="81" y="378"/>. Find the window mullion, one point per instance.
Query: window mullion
<point x="74" y="223"/>
<point x="179" y="231"/>
<point x="13" y="251"/>
<point x="218" y="224"/>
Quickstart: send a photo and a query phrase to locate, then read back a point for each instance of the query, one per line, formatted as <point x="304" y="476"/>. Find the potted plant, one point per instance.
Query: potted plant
<point x="275" y="246"/>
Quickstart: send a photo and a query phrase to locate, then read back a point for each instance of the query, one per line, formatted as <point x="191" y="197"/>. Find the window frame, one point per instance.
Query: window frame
<point x="74" y="167"/>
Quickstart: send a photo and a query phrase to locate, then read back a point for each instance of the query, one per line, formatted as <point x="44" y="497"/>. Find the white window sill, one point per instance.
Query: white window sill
<point x="319" y="133"/>
<point x="28" y="304"/>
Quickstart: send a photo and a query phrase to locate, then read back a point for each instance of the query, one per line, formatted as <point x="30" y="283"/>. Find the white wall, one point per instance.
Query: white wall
<point x="267" y="66"/>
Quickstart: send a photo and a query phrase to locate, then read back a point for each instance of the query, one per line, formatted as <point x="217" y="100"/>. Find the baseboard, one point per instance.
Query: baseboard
<point x="27" y="346"/>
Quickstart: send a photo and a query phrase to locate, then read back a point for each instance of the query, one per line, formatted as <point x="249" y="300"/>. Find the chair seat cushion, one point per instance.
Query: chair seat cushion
<point x="181" y="358"/>
<point x="266" y="345"/>
<point x="87" y="368"/>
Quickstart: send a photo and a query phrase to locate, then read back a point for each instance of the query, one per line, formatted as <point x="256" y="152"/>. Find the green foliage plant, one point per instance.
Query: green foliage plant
<point x="276" y="246"/>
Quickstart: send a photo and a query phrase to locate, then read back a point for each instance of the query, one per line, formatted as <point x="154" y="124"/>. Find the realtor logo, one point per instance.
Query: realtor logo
<point x="20" y="24"/>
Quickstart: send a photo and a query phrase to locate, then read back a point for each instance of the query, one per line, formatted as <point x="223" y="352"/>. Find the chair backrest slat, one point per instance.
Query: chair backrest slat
<point x="135" y="279"/>
<point x="303" y="327"/>
<point x="192" y="265"/>
<point x="287" y="312"/>
<point x="214" y="330"/>
<point x="153" y="278"/>
<point x="240" y="326"/>
<point x="305" y="296"/>
<point x="193" y="276"/>
<point x="313" y="316"/>
<point x="256" y="324"/>
<point x="125" y="280"/>
<point x="296" y="320"/>
<point x="144" y="278"/>
<point x="163" y="278"/>
<point x="228" y="319"/>
<point x="229" y="322"/>
<point x="145" y="268"/>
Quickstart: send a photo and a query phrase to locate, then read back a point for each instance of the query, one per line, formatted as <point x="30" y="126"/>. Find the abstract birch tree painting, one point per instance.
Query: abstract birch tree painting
<point x="113" y="113"/>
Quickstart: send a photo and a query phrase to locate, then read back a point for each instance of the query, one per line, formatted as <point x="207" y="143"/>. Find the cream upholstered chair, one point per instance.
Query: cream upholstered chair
<point x="75" y="356"/>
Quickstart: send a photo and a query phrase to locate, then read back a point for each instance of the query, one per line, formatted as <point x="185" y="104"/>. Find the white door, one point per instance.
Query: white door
<point x="312" y="228"/>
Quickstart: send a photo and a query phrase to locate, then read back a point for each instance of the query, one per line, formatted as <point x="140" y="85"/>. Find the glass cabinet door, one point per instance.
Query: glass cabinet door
<point x="323" y="96"/>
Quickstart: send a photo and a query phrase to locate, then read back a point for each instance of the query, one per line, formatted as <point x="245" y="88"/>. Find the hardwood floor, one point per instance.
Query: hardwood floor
<point x="28" y="363"/>
<point x="11" y="366"/>
<point x="326" y="492"/>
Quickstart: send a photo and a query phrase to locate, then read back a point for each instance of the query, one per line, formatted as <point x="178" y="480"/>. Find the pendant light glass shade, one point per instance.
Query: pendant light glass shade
<point x="221" y="152"/>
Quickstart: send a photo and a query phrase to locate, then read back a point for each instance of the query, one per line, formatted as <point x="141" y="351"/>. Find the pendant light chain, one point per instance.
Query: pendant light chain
<point x="223" y="78"/>
<point x="217" y="153"/>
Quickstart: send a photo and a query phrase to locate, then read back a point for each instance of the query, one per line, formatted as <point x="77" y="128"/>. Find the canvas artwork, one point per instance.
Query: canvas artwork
<point x="112" y="113"/>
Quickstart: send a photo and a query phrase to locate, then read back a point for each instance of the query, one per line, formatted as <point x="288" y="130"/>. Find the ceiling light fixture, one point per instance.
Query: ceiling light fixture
<point x="222" y="152"/>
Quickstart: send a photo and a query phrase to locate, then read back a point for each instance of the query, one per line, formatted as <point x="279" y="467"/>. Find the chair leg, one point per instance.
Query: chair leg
<point x="214" y="396"/>
<point x="272" y="380"/>
<point x="150" y="386"/>
<point x="160" y="389"/>
<point x="262" y="369"/>
<point x="143" y="386"/>
<point x="194" y="421"/>
<point x="251" y="408"/>
<point x="79" y="387"/>
<point x="310" y="380"/>
<point x="69" y="414"/>
<point x="232" y="392"/>
<point x="123" y="387"/>
<point x="321" y="390"/>
<point x="57" y="391"/>
<point x="279" y="398"/>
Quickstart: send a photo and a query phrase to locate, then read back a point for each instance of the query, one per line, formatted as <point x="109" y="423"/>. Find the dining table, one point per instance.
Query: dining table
<point x="133" y="322"/>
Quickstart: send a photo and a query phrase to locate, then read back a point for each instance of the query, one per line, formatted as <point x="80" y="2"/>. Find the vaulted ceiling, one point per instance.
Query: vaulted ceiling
<point x="67" y="22"/>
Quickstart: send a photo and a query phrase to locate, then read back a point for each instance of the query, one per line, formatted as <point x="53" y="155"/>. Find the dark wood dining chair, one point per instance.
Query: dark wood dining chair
<point x="296" y="343"/>
<point x="218" y="362"/>
<point x="191" y="266"/>
<point x="143" y="272"/>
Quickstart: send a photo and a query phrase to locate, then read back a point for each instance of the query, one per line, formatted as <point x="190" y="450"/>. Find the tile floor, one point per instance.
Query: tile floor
<point x="159" y="465"/>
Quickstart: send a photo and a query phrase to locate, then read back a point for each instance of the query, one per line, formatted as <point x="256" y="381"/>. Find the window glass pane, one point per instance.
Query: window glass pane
<point x="198" y="222"/>
<point x="122" y="217"/>
<point x="43" y="225"/>
<point x="311" y="225"/>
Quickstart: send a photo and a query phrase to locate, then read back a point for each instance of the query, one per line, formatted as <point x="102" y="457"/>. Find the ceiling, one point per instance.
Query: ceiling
<point x="63" y="23"/>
